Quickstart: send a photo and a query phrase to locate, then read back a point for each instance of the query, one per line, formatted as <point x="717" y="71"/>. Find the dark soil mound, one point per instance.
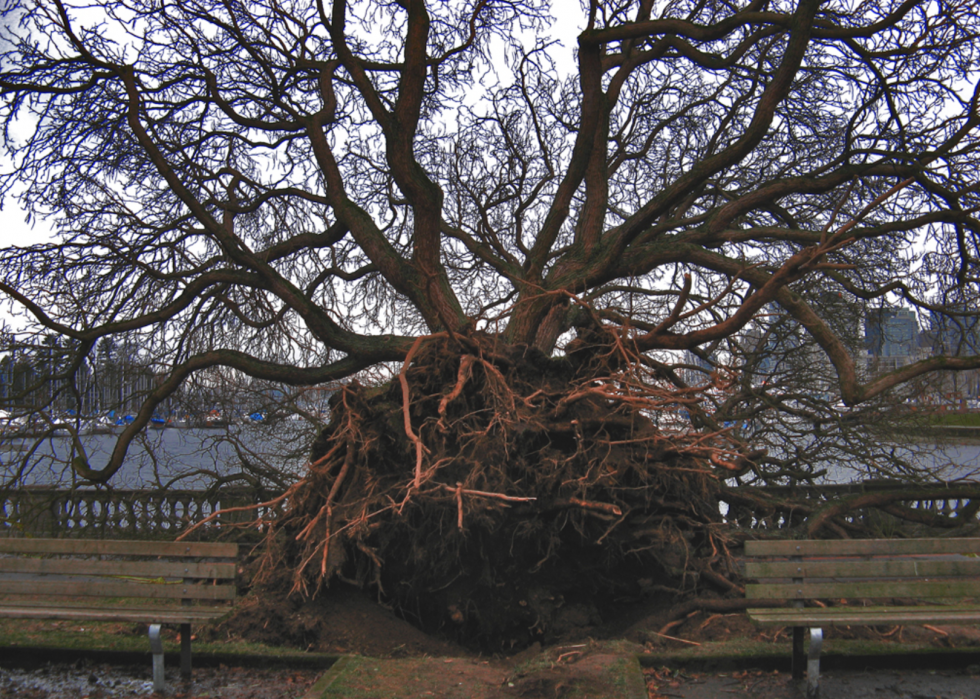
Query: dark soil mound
<point x="342" y="621"/>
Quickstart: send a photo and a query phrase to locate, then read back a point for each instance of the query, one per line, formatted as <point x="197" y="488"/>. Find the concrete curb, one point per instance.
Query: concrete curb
<point x="27" y="656"/>
<point x="941" y="659"/>
<point x="636" y="687"/>
<point x="344" y="665"/>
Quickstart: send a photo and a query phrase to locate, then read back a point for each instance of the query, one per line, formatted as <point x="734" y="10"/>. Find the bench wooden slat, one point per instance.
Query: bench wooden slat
<point x="844" y="568"/>
<point x="152" y="568"/>
<point x="946" y="589"/>
<point x="175" y="615"/>
<point x="117" y="588"/>
<point x="194" y="549"/>
<point x="918" y="571"/>
<point x="39" y="601"/>
<point x="47" y="579"/>
<point x="867" y="616"/>
<point x="856" y="547"/>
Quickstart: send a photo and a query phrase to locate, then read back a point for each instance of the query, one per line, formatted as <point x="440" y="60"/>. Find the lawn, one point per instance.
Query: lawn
<point x="957" y="420"/>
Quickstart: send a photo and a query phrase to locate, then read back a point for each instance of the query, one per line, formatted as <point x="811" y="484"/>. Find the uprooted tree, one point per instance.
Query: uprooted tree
<point x="565" y="293"/>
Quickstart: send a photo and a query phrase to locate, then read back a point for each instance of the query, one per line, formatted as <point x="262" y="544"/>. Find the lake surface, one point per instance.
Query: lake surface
<point x="947" y="461"/>
<point x="195" y="455"/>
<point x="157" y="457"/>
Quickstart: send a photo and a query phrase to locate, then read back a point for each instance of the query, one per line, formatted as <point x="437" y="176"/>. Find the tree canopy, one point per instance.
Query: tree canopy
<point x="299" y="191"/>
<point x="595" y="288"/>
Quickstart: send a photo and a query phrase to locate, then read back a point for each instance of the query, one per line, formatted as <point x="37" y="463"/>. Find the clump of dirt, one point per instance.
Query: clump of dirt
<point x="502" y="497"/>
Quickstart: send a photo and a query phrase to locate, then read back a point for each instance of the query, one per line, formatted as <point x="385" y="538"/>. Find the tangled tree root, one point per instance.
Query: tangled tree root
<point x="506" y="496"/>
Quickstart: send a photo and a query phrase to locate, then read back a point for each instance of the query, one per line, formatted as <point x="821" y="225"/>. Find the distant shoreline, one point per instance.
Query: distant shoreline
<point x="953" y="429"/>
<point x="967" y="434"/>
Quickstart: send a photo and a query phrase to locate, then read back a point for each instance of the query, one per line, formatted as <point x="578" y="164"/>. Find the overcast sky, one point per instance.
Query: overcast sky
<point x="14" y="230"/>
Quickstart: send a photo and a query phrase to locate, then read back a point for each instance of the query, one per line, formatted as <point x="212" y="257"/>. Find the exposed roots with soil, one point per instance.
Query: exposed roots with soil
<point x="506" y="497"/>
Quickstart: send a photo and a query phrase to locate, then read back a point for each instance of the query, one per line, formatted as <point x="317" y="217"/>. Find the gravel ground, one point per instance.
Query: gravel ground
<point x="83" y="680"/>
<point x="837" y="684"/>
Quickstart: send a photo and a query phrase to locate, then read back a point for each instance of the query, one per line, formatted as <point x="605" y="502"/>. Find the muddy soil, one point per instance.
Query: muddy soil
<point x="348" y="621"/>
<point x="343" y="621"/>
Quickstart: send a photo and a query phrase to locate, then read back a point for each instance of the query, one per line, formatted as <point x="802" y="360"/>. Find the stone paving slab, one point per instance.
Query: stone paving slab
<point x="592" y="676"/>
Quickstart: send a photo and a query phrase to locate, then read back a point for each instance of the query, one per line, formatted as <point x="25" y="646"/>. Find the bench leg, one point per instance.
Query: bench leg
<point x="185" y="651"/>
<point x="797" y="659"/>
<point x="813" y="664"/>
<point x="156" y="647"/>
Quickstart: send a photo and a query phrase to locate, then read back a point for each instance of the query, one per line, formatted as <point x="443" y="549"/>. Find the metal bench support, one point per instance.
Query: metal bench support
<point x="813" y="664"/>
<point x="156" y="647"/>
<point x="924" y="573"/>
<point x="185" y="652"/>
<point x="198" y="575"/>
<point x="796" y="662"/>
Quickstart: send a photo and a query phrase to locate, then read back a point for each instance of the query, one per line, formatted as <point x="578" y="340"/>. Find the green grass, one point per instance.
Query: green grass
<point x="126" y="638"/>
<point x="957" y="419"/>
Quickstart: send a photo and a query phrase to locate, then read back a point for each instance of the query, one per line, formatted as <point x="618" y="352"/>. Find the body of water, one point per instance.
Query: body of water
<point x="157" y="457"/>
<point x="195" y="455"/>
<point x="944" y="461"/>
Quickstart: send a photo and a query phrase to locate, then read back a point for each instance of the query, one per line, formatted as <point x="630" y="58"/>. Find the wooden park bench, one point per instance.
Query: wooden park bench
<point x="880" y="582"/>
<point x="154" y="582"/>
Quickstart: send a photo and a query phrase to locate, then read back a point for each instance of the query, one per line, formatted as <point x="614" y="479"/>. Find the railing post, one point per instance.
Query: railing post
<point x="37" y="511"/>
<point x="235" y="497"/>
<point x="798" y="656"/>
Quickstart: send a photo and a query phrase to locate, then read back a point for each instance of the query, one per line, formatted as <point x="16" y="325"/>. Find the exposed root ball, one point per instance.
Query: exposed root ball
<point x="502" y="495"/>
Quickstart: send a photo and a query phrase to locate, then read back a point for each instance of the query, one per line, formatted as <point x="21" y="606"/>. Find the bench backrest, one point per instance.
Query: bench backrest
<point x="864" y="569"/>
<point x="143" y="569"/>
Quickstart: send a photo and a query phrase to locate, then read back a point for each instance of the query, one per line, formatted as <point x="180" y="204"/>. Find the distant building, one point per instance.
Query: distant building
<point x="892" y="337"/>
<point x="778" y="344"/>
<point x="957" y="336"/>
<point x="778" y="350"/>
<point x="700" y="375"/>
